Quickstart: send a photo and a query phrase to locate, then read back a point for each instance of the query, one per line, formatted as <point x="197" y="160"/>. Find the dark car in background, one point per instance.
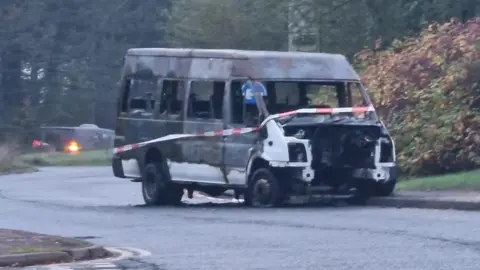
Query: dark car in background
<point x="72" y="139"/>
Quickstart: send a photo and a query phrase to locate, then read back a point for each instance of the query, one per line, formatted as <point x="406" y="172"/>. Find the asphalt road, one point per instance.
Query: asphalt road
<point x="90" y="202"/>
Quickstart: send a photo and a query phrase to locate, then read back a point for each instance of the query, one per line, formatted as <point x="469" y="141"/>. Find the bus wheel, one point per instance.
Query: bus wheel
<point x="384" y="189"/>
<point x="264" y="190"/>
<point x="362" y="193"/>
<point x="157" y="188"/>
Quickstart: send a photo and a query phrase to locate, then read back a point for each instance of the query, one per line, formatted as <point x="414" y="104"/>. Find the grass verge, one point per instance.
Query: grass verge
<point x="86" y="158"/>
<point x="22" y="250"/>
<point x="9" y="162"/>
<point x="458" y="181"/>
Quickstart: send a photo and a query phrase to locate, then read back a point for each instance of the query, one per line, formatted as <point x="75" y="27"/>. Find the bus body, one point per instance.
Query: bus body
<point x="269" y="125"/>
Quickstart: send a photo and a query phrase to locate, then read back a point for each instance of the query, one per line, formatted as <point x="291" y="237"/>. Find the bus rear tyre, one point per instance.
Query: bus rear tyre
<point x="384" y="189"/>
<point x="362" y="193"/>
<point x="264" y="190"/>
<point x="157" y="188"/>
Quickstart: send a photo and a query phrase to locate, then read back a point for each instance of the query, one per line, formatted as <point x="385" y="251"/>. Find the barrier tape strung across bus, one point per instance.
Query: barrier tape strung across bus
<point x="226" y="132"/>
<point x="238" y="131"/>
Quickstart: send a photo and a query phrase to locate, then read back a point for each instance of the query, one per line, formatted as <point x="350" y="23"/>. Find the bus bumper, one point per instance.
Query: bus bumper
<point x="117" y="167"/>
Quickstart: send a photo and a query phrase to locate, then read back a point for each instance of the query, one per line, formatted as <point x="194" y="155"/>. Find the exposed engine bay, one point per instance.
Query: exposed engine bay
<point x="342" y="147"/>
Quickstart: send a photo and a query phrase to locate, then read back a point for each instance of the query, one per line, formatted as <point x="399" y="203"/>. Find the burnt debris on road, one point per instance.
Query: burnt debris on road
<point x="22" y="248"/>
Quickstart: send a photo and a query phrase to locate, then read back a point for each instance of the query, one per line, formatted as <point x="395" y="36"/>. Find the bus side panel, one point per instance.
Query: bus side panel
<point x="138" y="129"/>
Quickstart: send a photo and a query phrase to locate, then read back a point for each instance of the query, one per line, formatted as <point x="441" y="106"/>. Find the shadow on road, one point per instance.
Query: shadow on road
<point x="232" y="205"/>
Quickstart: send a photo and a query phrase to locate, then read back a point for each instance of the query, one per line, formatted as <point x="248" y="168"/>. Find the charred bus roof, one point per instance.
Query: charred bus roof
<point x="226" y="64"/>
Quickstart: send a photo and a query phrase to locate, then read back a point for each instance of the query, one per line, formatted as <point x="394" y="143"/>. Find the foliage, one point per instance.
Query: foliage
<point x="59" y="61"/>
<point x="9" y="162"/>
<point x="427" y="91"/>
<point x="226" y="24"/>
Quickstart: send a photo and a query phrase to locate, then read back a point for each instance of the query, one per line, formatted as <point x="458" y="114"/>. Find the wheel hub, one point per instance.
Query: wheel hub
<point x="262" y="191"/>
<point x="150" y="184"/>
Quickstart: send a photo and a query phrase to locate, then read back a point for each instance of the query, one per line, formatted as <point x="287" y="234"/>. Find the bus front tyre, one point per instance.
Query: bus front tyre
<point x="157" y="188"/>
<point x="264" y="190"/>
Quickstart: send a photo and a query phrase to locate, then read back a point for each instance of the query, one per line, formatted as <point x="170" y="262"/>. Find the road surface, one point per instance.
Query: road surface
<point x="89" y="202"/>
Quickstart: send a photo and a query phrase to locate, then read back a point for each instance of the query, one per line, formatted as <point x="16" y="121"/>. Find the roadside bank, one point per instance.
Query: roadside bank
<point x="22" y="248"/>
<point x="455" y="200"/>
<point x="458" y="191"/>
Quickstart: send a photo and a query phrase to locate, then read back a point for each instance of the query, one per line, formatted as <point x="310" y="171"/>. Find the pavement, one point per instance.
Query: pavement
<point x="22" y="248"/>
<point x="91" y="204"/>
<point x="457" y="200"/>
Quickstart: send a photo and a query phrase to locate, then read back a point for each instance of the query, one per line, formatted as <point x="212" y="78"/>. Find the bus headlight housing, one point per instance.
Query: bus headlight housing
<point x="297" y="152"/>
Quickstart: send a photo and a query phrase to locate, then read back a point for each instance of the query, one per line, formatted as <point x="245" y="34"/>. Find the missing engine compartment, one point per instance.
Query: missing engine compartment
<point x="340" y="146"/>
<point x="340" y="149"/>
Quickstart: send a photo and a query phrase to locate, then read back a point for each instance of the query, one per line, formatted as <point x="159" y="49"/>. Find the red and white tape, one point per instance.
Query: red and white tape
<point x="238" y="131"/>
<point x="319" y="111"/>
<point x="225" y="132"/>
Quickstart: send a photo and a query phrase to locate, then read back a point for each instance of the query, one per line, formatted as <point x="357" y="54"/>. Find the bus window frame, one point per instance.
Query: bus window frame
<point x="158" y="99"/>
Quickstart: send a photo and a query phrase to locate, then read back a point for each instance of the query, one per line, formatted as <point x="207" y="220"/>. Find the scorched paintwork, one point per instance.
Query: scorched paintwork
<point x="228" y="161"/>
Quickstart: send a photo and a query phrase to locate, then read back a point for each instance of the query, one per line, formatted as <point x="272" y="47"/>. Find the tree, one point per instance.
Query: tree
<point x="59" y="61"/>
<point x="228" y="24"/>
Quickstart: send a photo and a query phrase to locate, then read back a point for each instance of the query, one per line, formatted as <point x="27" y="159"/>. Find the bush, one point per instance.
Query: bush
<point x="427" y="91"/>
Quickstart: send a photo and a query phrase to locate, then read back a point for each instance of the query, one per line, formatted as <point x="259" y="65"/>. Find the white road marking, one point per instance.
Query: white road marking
<point x="140" y="252"/>
<point x="121" y="253"/>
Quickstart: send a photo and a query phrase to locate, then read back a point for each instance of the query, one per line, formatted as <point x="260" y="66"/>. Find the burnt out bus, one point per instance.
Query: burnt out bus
<point x="271" y="126"/>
